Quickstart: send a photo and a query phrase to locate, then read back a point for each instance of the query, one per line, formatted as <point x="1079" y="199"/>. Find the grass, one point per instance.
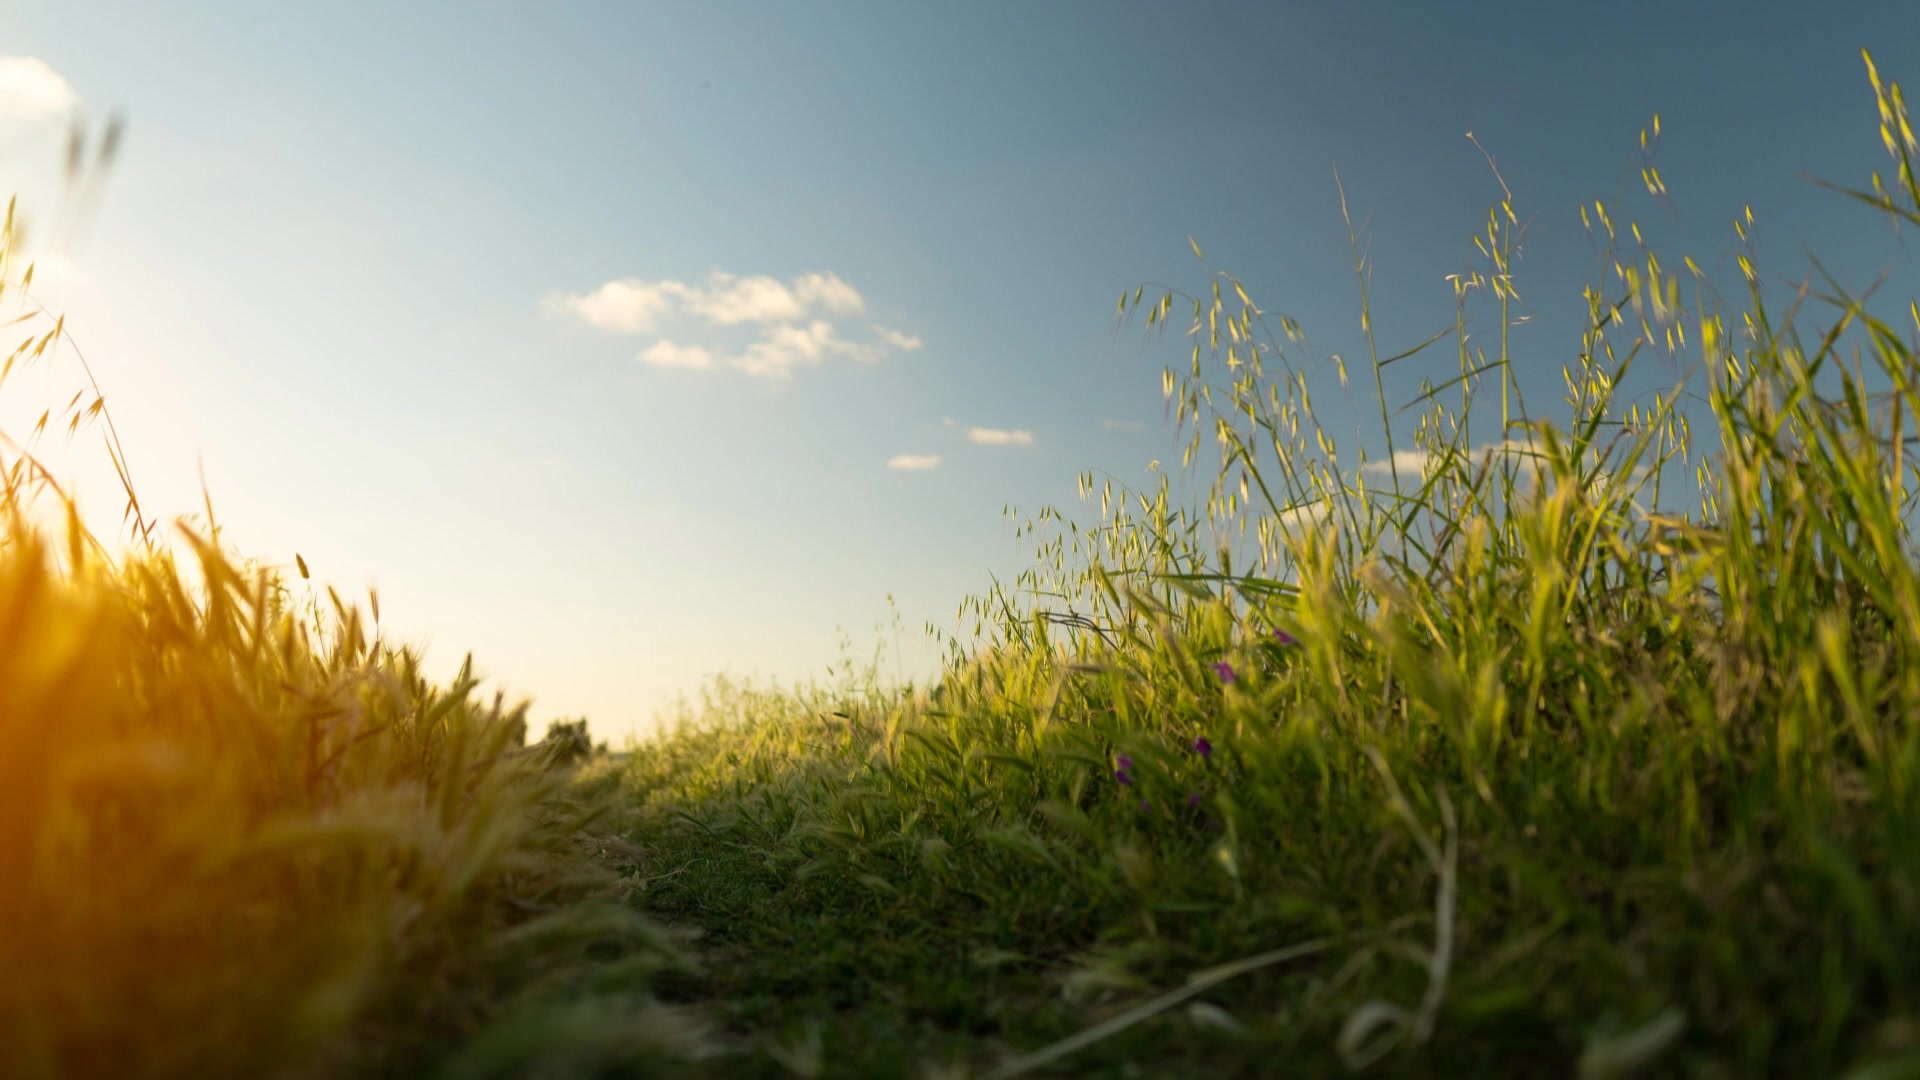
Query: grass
<point x="244" y="836"/>
<point x="1534" y="748"/>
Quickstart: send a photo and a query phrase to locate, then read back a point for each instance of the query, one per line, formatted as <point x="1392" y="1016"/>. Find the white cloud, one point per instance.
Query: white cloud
<point x="30" y="90"/>
<point x="914" y="462"/>
<point x="998" y="437"/>
<point x="903" y="342"/>
<point x="779" y="352"/>
<point x="1411" y="462"/>
<point x="787" y="347"/>
<point x="790" y="335"/>
<point x="1531" y="466"/>
<point x="1298" y="522"/>
<point x="1419" y="462"/>
<point x="667" y="354"/>
<point x="729" y="301"/>
<point x="626" y="306"/>
<point x="634" y="306"/>
<point x="828" y="291"/>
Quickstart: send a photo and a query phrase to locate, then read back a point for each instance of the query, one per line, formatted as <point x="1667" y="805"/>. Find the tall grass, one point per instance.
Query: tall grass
<point x="243" y="836"/>
<point x="1535" y="747"/>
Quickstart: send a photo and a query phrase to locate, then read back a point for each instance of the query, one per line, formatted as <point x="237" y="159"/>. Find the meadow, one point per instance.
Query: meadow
<point x="1578" y="741"/>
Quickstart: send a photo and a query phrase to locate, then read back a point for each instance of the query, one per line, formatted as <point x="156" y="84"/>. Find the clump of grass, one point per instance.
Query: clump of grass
<point x="243" y="838"/>
<point x="1505" y="755"/>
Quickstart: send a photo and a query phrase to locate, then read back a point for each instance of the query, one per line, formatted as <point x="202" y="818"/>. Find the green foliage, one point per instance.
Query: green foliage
<point x="1553" y="765"/>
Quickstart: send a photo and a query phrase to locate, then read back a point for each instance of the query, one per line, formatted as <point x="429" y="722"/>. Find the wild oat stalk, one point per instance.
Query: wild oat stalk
<point x="1651" y="666"/>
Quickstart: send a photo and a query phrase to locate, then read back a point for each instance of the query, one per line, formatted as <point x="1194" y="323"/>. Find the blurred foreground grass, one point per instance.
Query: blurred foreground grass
<point x="244" y="837"/>
<point x="1534" y="748"/>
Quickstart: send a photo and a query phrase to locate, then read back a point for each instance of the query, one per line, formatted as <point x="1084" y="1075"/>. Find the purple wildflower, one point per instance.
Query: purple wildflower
<point x="1226" y="671"/>
<point x="1123" y="776"/>
<point x="1123" y="769"/>
<point x="1193" y="799"/>
<point x="1285" y="638"/>
<point x="1145" y="805"/>
<point x="1202" y="747"/>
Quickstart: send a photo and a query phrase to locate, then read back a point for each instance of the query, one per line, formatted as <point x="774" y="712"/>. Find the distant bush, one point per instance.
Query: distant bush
<point x="568" y="743"/>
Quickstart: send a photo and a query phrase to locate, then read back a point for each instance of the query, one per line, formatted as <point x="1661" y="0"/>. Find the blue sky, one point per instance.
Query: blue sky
<point x="400" y="276"/>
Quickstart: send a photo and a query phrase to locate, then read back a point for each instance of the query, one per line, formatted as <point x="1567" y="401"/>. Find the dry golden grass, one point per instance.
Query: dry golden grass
<point x="241" y="835"/>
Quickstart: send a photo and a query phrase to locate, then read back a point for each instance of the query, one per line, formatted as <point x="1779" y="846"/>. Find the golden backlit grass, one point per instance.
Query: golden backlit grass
<point x="244" y="836"/>
<point x="228" y="847"/>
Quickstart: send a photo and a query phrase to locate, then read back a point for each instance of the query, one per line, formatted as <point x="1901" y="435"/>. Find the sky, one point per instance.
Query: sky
<point x="623" y="345"/>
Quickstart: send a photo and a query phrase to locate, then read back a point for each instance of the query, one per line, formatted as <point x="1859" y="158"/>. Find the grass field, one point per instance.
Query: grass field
<point x="1569" y="742"/>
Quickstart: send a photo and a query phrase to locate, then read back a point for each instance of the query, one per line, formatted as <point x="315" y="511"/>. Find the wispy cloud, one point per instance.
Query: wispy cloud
<point x="1532" y="467"/>
<point x="786" y="315"/>
<point x="787" y="347"/>
<point x="914" y="462"/>
<point x="1123" y="425"/>
<point x="1419" y="462"/>
<point x="999" y="437"/>
<point x="828" y="291"/>
<point x="1297" y="523"/>
<point x="1411" y="462"/>
<point x="903" y="342"/>
<point x="636" y="306"/>
<point x="729" y="301"/>
<point x="780" y="350"/>
<point x="30" y="90"/>
<point x="627" y="306"/>
<point x="667" y="354"/>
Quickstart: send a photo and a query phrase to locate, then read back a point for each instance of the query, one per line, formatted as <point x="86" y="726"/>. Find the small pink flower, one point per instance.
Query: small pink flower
<point x="1225" y="671"/>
